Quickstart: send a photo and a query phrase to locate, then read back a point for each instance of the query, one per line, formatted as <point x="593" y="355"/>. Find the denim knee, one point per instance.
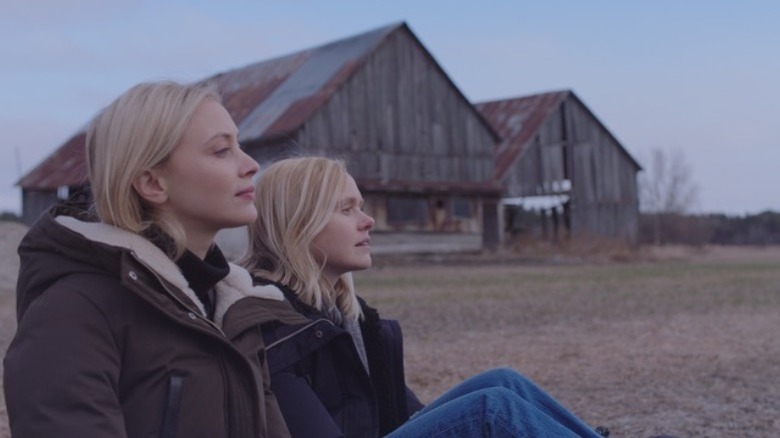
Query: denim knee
<point x="499" y="409"/>
<point x="497" y="400"/>
<point x="508" y="378"/>
<point x="506" y="374"/>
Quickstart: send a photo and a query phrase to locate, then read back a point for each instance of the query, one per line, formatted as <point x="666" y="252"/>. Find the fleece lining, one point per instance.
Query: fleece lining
<point x="235" y="286"/>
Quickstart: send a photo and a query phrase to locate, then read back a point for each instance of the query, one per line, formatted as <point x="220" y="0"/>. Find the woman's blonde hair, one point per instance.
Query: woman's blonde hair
<point x="136" y="132"/>
<point x="295" y="199"/>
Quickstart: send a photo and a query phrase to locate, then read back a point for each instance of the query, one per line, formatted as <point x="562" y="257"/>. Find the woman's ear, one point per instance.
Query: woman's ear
<point x="150" y="187"/>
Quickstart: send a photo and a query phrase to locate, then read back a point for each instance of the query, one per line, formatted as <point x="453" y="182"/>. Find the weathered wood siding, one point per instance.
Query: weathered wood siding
<point x="399" y="118"/>
<point x="602" y="183"/>
<point x="35" y="202"/>
<point x="604" y="193"/>
<point x="400" y="121"/>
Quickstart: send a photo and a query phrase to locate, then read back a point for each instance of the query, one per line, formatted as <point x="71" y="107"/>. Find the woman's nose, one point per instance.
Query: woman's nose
<point x="368" y="221"/>
<point x="249" y="166"/>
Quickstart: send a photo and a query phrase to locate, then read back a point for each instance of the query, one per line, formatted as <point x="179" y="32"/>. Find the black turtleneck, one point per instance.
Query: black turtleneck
<point x="203" y="274"/>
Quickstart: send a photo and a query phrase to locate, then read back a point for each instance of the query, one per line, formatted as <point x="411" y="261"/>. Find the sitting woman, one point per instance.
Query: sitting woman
<point x="336" y="367"/>
<point x="131" y="320"/>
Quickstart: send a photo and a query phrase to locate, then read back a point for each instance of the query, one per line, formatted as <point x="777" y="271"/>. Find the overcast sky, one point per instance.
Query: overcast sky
<point x="701" y="76"/>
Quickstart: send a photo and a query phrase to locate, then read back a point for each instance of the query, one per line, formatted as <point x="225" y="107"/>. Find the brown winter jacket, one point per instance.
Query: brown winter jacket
<point x="112" y="342"/>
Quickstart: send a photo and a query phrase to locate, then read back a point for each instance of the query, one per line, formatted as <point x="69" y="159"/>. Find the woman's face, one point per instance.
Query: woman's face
<point x="208" y="177"/>
<point x="343" y="245"/>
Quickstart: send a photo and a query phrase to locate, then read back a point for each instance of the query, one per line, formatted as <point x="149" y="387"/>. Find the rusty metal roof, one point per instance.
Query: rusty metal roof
<point x="65" y="167"/>
<point x="266" y="99"/>
<point x="518" y="119"/>
<point x="277" y="96"/>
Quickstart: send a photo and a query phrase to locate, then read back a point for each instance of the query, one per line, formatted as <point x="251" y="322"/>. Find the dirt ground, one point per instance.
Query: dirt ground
<point x="671" y="340"/>
<point x="676" y="340"/>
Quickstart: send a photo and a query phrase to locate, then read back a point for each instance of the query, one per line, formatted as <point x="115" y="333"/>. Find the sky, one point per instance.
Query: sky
<point x="699" y="79"/>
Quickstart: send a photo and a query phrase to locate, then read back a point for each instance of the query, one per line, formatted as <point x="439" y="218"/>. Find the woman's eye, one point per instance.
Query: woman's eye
<point x="222" y="151"/>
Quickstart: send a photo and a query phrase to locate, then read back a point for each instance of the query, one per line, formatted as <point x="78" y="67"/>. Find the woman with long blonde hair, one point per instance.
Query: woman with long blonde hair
<point x="337" y="367"/>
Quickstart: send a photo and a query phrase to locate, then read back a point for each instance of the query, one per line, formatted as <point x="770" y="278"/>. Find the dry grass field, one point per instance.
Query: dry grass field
<point x="669" y="340"/>
<point x="675" y="341"/>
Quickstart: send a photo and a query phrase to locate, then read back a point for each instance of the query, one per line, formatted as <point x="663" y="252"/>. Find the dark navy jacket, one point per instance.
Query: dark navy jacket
<point x="321" y="384"/>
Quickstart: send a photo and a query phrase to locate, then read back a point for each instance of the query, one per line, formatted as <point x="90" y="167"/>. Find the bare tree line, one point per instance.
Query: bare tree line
<point x="668" y="195"/>
<point x="667" y="192"/>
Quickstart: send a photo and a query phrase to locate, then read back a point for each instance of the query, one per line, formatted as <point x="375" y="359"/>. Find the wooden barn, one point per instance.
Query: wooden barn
<point x="420" y="152"/>
<point x="563" y="174"/>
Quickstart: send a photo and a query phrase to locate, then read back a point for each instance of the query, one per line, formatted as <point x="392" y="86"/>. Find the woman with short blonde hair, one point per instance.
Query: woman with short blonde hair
<point x="138" y="132"/>
<point x="126" y="325"/>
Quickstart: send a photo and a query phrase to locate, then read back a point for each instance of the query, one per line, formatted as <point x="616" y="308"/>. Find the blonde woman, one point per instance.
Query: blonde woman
<point x="127" y="323"/>
<point x="336" y="367"/>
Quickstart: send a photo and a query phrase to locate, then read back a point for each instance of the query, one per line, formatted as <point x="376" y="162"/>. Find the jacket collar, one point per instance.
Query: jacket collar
<point x="235" y="286"/>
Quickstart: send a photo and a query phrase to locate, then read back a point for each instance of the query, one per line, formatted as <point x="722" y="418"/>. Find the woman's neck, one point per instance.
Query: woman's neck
<point x="199" y="250"/>
<point x="331" y="278"/>
<point x="200" y="243"/>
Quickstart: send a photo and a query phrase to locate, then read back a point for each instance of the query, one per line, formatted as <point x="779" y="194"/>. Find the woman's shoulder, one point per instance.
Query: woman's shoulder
<point x="283" y="312"/>
<point x="371" y="315"/>
<point x="290" y="296"/>
<point x="78" y="303"/>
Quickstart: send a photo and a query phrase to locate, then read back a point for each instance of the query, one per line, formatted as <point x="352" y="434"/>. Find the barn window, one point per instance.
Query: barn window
<point x="63" y="192"/>
<point x="405" y="209"/>
<point x="461" y="208"/>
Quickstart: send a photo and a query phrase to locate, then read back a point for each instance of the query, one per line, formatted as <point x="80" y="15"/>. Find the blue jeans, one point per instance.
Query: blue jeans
<point x="496" y="403"/>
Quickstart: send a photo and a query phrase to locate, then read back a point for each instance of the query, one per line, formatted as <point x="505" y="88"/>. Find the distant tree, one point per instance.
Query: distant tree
<point x="9" y="216"/>
<point x="667" y="184"/>
<point x="758" y="229"/>
<point x="667" y="191"/>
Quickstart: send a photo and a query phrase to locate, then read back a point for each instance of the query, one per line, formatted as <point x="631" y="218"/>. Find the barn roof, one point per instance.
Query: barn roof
<point x="518" y="119"/>
<point x="266" y="99"/>
<point x="65" y="167"/>
<point x="276" y="96"/>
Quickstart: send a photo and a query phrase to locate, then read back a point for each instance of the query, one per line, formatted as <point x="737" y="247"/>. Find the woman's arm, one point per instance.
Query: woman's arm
<point x="62" y="370"/>
<point x="305" y="415"/>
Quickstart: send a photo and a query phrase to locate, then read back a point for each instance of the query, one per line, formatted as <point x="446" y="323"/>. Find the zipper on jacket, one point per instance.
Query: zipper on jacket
<point x="297" y="332"/>
<point x="229" y="390"/>
<point x="195" y="312"/>
<point x="172" y="406"/>
<point x="227" y="394"/>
